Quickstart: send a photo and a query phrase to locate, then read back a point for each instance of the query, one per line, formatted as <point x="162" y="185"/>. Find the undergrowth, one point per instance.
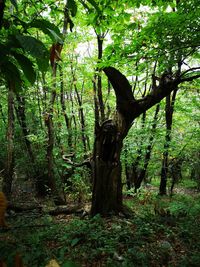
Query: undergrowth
<point x="168" y="237"/>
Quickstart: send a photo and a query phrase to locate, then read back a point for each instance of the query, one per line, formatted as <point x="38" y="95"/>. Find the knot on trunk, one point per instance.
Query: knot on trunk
<point x="108" y="142"/>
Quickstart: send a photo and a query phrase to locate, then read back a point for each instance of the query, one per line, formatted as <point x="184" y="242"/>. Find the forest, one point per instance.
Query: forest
<point x="99" y="133"/>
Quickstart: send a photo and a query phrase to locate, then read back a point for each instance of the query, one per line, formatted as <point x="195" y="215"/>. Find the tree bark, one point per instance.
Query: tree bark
<point x="99" y="79"/>
<point x="9" y="170"/>
<point x="107" y="186"/>
<point x="63" y="106"/>
<point x="97" y="86"/>
<point x="169" y="110"/>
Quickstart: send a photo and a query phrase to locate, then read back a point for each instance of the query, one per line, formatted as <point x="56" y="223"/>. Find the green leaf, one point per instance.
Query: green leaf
<point x="14" y="3"/>
<point x="31" y="45"/>
<point x="48" y="28"/>
<point x="11" y="73"/>
<point x="36" y="49"/>
<point x="94" y="4"/>
<point x="72" y="7"/>
<point x="43" y="64"/>
<point x="27" y="67"/>
<point x="54" y="36"/>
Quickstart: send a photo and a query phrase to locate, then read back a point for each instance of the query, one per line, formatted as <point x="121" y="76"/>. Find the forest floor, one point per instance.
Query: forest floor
<point x="161" y="232"/>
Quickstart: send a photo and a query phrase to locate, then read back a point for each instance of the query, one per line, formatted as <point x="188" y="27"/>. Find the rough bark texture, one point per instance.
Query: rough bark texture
<point x="107" y="187"/>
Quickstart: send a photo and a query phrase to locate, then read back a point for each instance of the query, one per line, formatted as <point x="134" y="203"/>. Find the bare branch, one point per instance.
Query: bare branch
<point x="191" y="69"/>
<point x="131" y="108"/>
<point x="191" y="78"/>
<point x="86" y="162"/>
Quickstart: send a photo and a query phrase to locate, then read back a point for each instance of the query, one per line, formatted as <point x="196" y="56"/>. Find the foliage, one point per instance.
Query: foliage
<point x="143" y="39"/>
<point x="143" y="240"/>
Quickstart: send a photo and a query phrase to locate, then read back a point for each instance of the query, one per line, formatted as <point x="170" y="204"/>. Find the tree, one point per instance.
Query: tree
<point x="161" y="41"/>
<point x="107" y="190"/>
<point x="19" y="52"/>
<point x="169" y="110"/>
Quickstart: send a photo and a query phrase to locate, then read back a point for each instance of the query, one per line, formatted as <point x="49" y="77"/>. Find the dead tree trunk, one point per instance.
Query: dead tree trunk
<point x="107" y="186"/>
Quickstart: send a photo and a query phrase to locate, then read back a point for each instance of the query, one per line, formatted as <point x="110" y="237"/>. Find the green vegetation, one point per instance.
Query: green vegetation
<point x="146" y="239"/>
<point x="99" y="133"/>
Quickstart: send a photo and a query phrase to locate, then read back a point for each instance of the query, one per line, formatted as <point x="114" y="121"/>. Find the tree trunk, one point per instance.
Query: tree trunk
<point x="107" y="184"/>
<point x="99" y="79"/>
<point x="63" y="106"/>
<point x="147" y="157"/>
<point x="50" y="128"/>
<point x="82" y="121"/>
<point x="97" y="86"/>
<point x="169" y="110"/>
<point x="9" y="170"/>
<point x="38" y="175"/>
<point x="107" y="187"/>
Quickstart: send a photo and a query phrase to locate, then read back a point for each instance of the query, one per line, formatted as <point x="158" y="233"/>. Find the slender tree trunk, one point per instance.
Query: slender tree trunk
<point x="51" y="139"/>
<point x="96" y="105"/>
<point x="38" y="175"/>
<point x="63" y="106"/>
<point x="169" y="110"/>
<point x="54" y="58"/>
<point x="2" y="114"/>
<point x="97" y="87"/>
<point x="9" y="170"/>
<point x="50" y="143"/>
<point x="82" y="120"/>
<point x="148" y="150"/>
<point x="133" y="170"/>
<point x="99" y="79"/>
